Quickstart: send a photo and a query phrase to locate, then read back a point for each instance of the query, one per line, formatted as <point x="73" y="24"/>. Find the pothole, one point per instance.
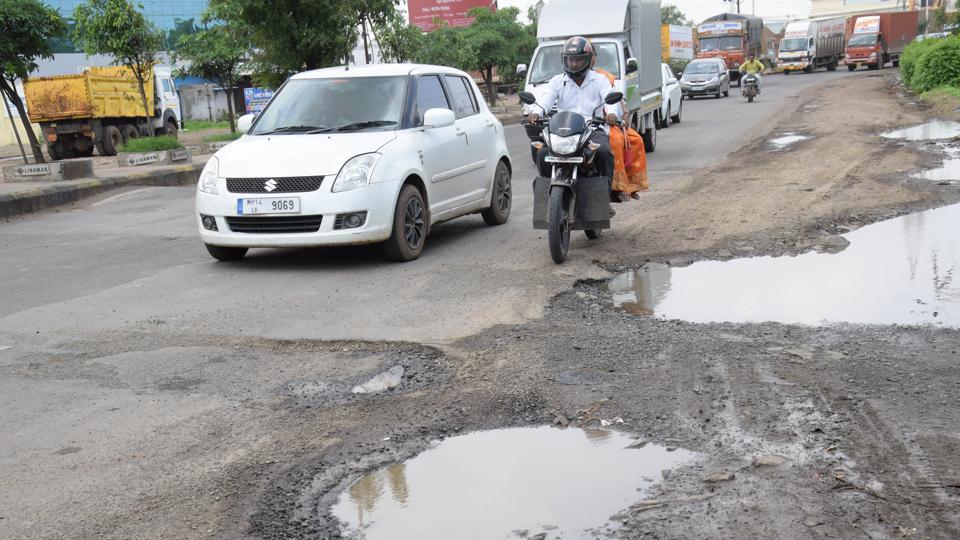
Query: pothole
<point x="900" y="271"/>
<point x="785" y="140"/>
<point x="507" y="483"/>
<point x="932" y="130"/>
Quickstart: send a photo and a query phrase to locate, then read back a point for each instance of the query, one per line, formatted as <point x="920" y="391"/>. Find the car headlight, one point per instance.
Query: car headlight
<point x="713" y="80"/>
<point x="356" y="173"/>
<point x="873" y="55"/>
<point x="208" y="177"/>
<point x="564" y="145"/>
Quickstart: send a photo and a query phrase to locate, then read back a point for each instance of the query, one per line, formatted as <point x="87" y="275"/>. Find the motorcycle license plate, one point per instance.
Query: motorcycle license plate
<point x="558" y="159"/>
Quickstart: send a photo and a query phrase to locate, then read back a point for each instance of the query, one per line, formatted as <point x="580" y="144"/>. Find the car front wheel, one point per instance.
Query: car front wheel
<point x="409" y="226"/>
<point x="223" y="253"/>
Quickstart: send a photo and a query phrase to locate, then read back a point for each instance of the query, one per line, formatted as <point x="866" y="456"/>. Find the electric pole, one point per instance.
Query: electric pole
<point x="738" y="4"/>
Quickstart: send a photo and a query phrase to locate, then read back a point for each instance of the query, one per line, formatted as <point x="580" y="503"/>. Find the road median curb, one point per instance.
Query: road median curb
<point x="38" y="198"/>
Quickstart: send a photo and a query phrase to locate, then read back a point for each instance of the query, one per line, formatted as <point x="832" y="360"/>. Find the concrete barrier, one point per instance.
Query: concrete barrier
<point x="69" y="169"/>
<point x="134" y="159"/>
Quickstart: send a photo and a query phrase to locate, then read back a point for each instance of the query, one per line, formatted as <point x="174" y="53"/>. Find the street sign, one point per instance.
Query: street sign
<point x="453" y="12"/>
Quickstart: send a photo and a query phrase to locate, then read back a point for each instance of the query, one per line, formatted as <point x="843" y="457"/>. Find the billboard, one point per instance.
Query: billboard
<point x="720" y="28"/>
<point x="867" y="25"/>
<point x="255" y="99"/>
<point x="454" y="12"/>
<point x="676" y="42"/>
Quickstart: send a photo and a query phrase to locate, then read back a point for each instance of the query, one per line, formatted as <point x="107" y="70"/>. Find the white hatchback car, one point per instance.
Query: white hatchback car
<point x="370" y="154"/>
<point x="671" y="106"/>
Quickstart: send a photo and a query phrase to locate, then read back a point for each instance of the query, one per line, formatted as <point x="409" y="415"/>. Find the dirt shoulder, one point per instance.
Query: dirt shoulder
<point x="781" y="200"/>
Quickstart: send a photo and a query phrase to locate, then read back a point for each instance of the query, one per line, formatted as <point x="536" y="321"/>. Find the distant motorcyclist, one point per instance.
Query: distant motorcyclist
<point x="581" y="90"/>
<point x="753" y="67"/>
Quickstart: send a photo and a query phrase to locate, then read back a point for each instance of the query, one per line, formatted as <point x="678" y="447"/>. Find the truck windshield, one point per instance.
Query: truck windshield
<point x="332" y="105"/>
<point x="862" y="39"/>
<point x="719" y="43"/>
<point x="793" y="44"/>
<point x="548" y="63"/>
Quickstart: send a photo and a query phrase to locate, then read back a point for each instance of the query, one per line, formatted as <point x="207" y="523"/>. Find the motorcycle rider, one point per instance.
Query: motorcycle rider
<point x="582" y="90"/>
<point x="754" y="67"/>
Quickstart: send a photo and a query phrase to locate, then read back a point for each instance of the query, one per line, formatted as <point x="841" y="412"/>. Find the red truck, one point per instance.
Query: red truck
<point x="878" y="38"/>
<point x="732" y="37"/>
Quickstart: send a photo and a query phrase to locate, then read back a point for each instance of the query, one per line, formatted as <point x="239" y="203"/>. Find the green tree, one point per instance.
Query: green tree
<point x="181" y="28"/>
<point x="26" y="27"/>
<point x="399" y="41"/>
<point x="371" y="13"/>
<point x="117" y="28"/>
<point x="499" y="41"/>
<point x="670" y="14"/>
<point x="216" y="53"/>
<point x="446" y="46"/>
<point x="289" y="36"/>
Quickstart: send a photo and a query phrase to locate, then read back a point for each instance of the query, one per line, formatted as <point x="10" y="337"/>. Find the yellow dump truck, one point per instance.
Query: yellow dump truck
<point x="101" y="108"/>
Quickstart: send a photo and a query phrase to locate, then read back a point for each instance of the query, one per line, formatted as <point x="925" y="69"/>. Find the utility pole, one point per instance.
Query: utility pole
<point x="738" y="4"/>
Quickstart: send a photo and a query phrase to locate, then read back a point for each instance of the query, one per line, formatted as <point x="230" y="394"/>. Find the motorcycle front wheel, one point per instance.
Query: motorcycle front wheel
<point x="750" y="98"/>
<point x="558" y="226"/>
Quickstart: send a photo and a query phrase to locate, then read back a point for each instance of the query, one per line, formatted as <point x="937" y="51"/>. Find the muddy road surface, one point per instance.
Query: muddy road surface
<point x="150" y="392"/>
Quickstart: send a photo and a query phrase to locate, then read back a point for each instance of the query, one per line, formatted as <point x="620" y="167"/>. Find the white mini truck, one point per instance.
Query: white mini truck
<point x="374" y="154"/>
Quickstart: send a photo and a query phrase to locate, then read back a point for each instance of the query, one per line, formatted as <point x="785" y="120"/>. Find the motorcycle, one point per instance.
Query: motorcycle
<point x="749" y="87"/>
<point x="574" y="197"/>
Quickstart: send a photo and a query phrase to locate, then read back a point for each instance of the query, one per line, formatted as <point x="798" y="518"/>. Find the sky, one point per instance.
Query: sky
<point x="699" y="10"/>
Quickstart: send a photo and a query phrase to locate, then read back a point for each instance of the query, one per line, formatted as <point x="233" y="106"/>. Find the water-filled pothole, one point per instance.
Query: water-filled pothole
<point x="784" y="141"/>
<point x="499" y="483"/>
<point x="946" y="172"/>
<point x="904" y="270"/>
<point x="932" y="130"/>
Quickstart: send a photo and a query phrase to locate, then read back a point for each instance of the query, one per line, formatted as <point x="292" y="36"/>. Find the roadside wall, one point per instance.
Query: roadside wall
<point x="7" y="136"/>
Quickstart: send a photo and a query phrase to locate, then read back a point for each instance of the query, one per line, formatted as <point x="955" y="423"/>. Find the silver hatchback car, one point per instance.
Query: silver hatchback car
<point x="705" y="77"/>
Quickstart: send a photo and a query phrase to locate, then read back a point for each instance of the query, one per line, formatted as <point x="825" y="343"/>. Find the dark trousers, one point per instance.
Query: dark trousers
<point x="603" y="159"/>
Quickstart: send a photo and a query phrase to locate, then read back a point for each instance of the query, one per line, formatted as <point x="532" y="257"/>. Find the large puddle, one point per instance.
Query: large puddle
<point x="932" y="130"/>
<point x="506" y="483"/>
<point x="900" y="271"/>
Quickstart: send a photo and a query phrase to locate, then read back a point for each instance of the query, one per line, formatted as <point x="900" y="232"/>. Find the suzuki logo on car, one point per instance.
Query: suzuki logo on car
<point x="270" y="185"/>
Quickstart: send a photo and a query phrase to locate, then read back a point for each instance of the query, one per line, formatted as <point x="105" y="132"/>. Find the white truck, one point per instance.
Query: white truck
<point x="807" y="45"/>
<point x="626" y="37"/>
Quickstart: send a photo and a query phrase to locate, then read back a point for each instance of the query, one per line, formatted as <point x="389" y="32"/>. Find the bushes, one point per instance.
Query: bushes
<point x="931" y="63"/>
<point x="151" y="144"/>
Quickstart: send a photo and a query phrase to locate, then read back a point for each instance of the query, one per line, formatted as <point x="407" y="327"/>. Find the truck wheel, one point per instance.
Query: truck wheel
<point x="112" y="140"/>
<point x="851" y="68"/>
<point x="223" y="253"/>
<point x="171" y="129"/>
<point x="896" y="63"/>
<point x="54" y="151"/>
<point x="650" y="139"/>
<point x="409" y="226"/>
<point x="129" y="132"/>
<point x="786" y="72"/>
<point x="832" y="66"/>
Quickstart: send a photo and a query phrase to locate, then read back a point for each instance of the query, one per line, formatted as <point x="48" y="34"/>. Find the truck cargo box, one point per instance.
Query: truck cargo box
<point x="99" y="92"/>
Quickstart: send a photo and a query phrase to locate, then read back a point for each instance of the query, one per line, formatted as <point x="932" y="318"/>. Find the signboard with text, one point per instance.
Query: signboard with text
<point x="453" y="12"/>
<point x="720" y="28"/>
<point x="256" y="99"/>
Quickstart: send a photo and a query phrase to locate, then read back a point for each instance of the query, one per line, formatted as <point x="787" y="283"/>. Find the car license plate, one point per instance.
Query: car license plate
<point x="280" y="205"/>
<point x="558" y="159"/>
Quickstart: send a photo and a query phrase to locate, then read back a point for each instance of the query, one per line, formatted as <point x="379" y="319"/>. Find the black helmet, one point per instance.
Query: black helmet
<point x="577" y="56"/>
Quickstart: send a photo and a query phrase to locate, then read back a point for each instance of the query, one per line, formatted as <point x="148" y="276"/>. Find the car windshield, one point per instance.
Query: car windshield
<point x="334" y="105"/>
<point x="862" y="39"/>
<point x="701" y="68"/>
<point x="793" y="45"/>
<point x="547" y="64"/>
<point x="719" y="43"/>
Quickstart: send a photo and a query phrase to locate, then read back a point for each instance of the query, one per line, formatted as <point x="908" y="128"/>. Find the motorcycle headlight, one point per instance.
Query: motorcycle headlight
<point x="356" y="173"/>
<point x="208" y="177"/>
<point x="564" y="145"/>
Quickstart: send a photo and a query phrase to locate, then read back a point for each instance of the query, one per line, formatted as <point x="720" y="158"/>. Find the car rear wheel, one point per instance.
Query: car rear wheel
<point x="676" y="117"/>
<point x="409" y="226"/>
<point x="501" y="198"/>
<point x="223" y="253"/>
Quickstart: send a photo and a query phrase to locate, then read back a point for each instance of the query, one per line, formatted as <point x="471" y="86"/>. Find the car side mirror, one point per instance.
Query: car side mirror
<point x="613" y="98"/>
<point x="672" y="81"/>
<point x="527" y="98"/>
<point x="438" y="118"/>
<point x="521" y="71"/>
<point x="631" y="65"/>
<point x="244" y="122"/>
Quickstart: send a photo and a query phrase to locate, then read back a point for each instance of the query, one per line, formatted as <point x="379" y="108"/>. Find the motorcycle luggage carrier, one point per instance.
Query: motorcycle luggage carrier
<point x="592" y="207"/>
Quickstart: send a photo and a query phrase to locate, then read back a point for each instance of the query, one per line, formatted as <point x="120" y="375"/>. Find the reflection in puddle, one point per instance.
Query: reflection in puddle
<point x="932" y="130"/>
<point x="489" y="483"/>
<point x="900" y="271"/>
<point x="780" y="143"/>
<point x="950" y="170"/>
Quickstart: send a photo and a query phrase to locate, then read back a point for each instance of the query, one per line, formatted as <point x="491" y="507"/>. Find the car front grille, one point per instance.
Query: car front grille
<point x="290" y="184"/>
<point x="274" y="224"/>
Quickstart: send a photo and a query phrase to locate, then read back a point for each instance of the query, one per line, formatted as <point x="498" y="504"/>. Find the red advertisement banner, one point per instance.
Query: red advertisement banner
<point x="454" y="12"/>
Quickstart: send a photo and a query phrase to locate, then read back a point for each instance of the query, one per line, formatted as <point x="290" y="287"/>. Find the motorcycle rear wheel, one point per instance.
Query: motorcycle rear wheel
<point x="558" y="227"/>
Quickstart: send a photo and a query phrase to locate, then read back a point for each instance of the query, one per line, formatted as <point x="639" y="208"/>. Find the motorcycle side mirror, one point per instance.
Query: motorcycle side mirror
<point x="527" y="98"/>
<point x="613" y="98"/>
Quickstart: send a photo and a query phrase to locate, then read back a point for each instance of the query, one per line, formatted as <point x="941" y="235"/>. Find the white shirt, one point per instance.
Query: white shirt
<point x="584" y="99"/>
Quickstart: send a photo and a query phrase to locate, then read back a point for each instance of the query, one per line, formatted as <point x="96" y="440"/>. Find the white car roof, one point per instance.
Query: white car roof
<point x="376" y="70"/>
